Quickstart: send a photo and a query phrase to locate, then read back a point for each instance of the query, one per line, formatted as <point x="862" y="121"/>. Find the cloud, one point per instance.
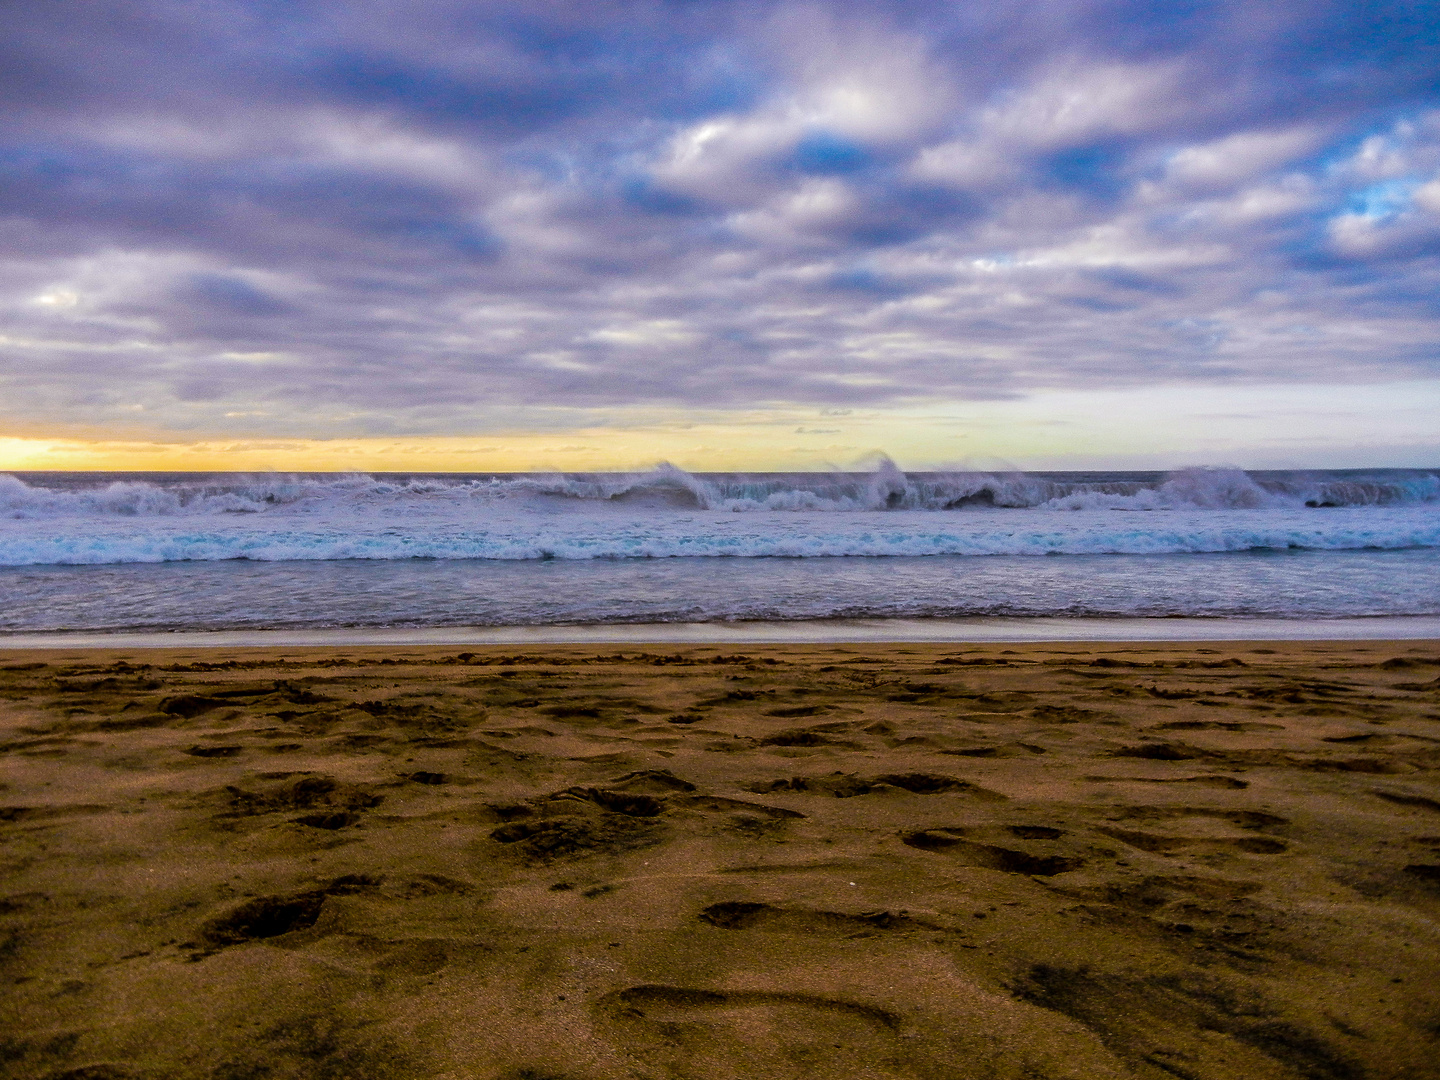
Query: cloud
<point x="250" y="220"/>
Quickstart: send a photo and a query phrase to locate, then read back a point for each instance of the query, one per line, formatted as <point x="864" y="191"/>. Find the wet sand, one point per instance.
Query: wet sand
<point x="1055" y="861"/>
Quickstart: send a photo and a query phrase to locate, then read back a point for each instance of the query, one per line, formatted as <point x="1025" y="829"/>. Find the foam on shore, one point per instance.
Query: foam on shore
<point x="816" y="631"/>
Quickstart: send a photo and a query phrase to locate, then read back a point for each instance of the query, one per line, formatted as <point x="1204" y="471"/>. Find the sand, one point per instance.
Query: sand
<point x="580" y="863"/>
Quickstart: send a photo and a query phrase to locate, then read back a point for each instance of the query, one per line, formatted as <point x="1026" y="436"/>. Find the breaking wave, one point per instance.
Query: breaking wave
<point x="1088" y="538"/>
<point x="887" y="488"/>
<point x="667" y="513"/>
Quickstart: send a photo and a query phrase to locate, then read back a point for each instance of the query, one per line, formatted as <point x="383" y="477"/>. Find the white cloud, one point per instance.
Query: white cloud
<point x="1079" y="101"/>
<point x="1223" y="164"/>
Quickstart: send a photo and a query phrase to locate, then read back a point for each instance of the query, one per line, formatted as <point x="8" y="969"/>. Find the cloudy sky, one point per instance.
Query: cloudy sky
<point x="738" y="234"/>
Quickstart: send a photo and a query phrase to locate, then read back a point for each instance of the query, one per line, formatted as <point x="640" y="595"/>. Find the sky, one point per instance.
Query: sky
<point x="736" y="235"/>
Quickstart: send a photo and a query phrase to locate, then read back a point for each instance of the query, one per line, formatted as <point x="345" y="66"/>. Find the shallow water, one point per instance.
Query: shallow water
<point x="374" y="593"/>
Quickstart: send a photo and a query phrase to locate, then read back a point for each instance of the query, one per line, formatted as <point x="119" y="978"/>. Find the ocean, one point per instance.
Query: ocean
<point x="184" y="552"/>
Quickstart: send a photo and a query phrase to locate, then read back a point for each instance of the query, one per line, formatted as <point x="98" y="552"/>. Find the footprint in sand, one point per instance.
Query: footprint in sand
<point x="299" y="791"/>
<point x="1161" y="844"/>
<point x="1155" y="1023"/>
<point x="274" y="916"/>
<point x="779" y="1036"/>
<point x="541" y="841"/>
<point x="1198" y="830"/>
<point x="750" y="915"/>
<point x="1043" y="860"/>
<point x="740" y="806"/>
<point x="848" y="785"/>
<point x="1215" y="780"/>
<point x="213" y="751"/>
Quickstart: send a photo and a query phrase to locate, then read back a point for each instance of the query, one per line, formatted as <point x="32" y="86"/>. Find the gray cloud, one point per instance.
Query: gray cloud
<point x="320" y="219"/>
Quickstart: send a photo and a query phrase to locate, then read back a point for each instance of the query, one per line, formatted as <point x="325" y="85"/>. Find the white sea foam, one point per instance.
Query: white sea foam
<point x="667" y="513"/>
<point x="885" y="489"/>
<point x="706" y="534"/>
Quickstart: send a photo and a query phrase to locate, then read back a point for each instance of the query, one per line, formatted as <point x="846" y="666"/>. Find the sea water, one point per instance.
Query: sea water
<point x="176" y="552"/>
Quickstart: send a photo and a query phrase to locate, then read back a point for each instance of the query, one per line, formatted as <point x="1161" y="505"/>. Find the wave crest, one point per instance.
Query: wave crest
<point x="887" y="488"/>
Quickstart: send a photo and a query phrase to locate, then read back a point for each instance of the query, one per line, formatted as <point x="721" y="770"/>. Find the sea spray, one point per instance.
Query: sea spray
<point x="886" y="489"/>
<point x="669" y="514"/>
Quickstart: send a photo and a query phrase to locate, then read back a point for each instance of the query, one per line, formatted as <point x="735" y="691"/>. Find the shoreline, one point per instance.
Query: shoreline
<point x="800" y="632"/>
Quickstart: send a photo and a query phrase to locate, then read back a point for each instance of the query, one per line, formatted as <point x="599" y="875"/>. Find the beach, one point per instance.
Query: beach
<point x="1066" y="860"/>
<point x="720" y="541"/>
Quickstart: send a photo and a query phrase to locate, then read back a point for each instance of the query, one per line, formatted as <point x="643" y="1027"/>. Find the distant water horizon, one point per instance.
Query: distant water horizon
<point x="87" y="552"/>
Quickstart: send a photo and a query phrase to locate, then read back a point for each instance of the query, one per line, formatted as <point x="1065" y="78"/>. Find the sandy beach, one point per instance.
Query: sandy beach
<point x="1063" y="861"/>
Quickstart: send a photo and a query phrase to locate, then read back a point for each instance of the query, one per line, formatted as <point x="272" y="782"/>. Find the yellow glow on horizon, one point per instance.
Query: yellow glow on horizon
<point x="712" y="447"/>
<point x="1144" y="428"/>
